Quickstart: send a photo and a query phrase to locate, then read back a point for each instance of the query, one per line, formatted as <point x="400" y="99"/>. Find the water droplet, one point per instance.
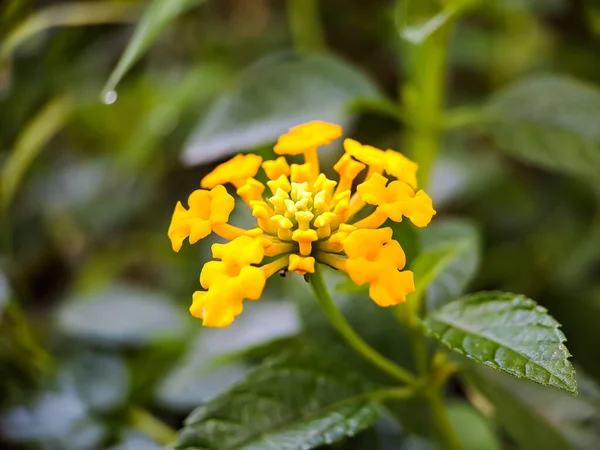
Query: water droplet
<point x="109" y="97"/>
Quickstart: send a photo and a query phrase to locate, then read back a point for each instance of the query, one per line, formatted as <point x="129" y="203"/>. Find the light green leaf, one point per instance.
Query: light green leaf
<point x="121" y="314"/>
<point x="157" y="16"/>
<point x="66" y="14"/>
<point x="288" y="403"/>
<point x="448" y="261"/>
<point x="416" y="33"/>
<point x="536" y="417"/>
<point x="508" y="332"/>
<point x="473" y="430"/>
<point x="273" y="95"/>
<point x="551" y="121"/>
<point x="30" y="143"/>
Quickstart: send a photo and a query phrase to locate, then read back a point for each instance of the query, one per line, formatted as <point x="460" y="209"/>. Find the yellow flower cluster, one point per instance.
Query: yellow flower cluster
<point x="304" y="218"/>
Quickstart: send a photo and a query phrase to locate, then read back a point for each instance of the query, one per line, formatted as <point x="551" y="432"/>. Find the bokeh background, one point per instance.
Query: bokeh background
<point x="97" y="349"/>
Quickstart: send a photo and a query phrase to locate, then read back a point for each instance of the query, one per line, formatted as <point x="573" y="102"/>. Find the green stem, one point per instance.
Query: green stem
<point x="424" y="100"/>
<point x="340" y="323"/>
<point x="423" y="97"/>
<point x="150" y="425"/>
<point x="305" y="25"/>
<point x="446" y="430"/>
<point x="419" y="347"/>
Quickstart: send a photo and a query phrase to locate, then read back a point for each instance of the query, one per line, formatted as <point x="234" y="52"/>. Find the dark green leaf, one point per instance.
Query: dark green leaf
<point x="210" y="367"/>
<point x="295" y="401"/>
<point x="537" y="417"/>
<point x="157" y="16"/>
<point x="551" y="121"/>
<point x="448" y="261"/>
<point x="273" y="95"/>
<point x="508" y="332"/>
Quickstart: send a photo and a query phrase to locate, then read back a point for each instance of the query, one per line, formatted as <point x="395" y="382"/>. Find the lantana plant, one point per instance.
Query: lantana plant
<point x="305" y="221"/>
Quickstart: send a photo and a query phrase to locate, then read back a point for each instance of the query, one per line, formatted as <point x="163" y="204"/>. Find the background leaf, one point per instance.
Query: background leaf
<point x="273" y="95"/>
<point x="67" y="14"/>
<point x="31" y="141"/>
<point x="536" y="417"/>
<point x="290" y="402"/>
<point x="551" y="121"/>
<point x="474" y="431"/>
<point x="416" y="33"/>
<point x="157" y="16"/>
<point x="448" y="260"/>
<point x="120" y="314"/>
<point x="508" y="332"/>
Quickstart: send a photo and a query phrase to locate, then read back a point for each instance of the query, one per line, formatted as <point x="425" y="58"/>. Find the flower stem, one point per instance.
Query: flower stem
<point x="340" y="323"/>
<point x="446" y="431"/>
<point x="305" y="25"/>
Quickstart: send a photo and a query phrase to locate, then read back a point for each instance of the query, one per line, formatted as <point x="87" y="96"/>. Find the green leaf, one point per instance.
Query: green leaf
<point x="67" y="14"/>
<point x="448" y="261"/>
<point x="508" y="332"/>
<point x="121" y="314"/>
<point x="551" y="121"/>
<point x="157" y="16"/>
<point x="30" y="143"/>
<point x="416" y="32"/>
<point x="473" y="430"/>
<point x="289" y="402"/>
<point x="210" y="366"/>
<point x="273" y="95"/>
<point x="536" y="417"/>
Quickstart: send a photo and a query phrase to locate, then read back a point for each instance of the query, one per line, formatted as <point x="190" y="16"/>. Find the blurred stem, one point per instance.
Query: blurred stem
<point x="305" y="25"/>
<point x="449" y="438"/>
<point x="423" y="96"/>
<point x="34" y="358"/>
<point x="150" y="425"/>
<point x="340" y="323"/>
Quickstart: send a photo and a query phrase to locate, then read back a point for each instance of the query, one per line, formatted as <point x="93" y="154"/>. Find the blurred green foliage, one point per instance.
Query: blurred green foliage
<point x="97" y="350"/>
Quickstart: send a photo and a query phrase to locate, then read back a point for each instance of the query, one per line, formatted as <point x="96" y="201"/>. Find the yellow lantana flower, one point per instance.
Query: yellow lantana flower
<point x="302" y="219"/>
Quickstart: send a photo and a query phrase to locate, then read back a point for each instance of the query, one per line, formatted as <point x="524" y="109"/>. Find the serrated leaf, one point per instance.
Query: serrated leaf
<point x="156" y="17"/>
<point x="509" y="332"/>
<point x="448" y="261"/>
<point x="536" y="417"/>
<point x="273" y="95"/>
<point x="291" y="402"/>
<point x="551" y="121"/>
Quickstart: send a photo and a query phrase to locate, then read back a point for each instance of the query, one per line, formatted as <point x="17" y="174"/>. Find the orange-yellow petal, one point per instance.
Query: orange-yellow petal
<point x="301" y="265"/>
<point x="207" y="210"/>
<point x="277" y="167"/>
<point x="307" y="136"/>
<point x="235" y="171"/>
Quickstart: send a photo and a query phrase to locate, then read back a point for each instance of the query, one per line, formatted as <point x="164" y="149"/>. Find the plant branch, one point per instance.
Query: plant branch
<point x="340" y="323"/>
<point x="305" y="25"/>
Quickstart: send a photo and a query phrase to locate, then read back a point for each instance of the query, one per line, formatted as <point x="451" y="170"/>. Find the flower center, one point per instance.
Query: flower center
<point x="305" y="212"/>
